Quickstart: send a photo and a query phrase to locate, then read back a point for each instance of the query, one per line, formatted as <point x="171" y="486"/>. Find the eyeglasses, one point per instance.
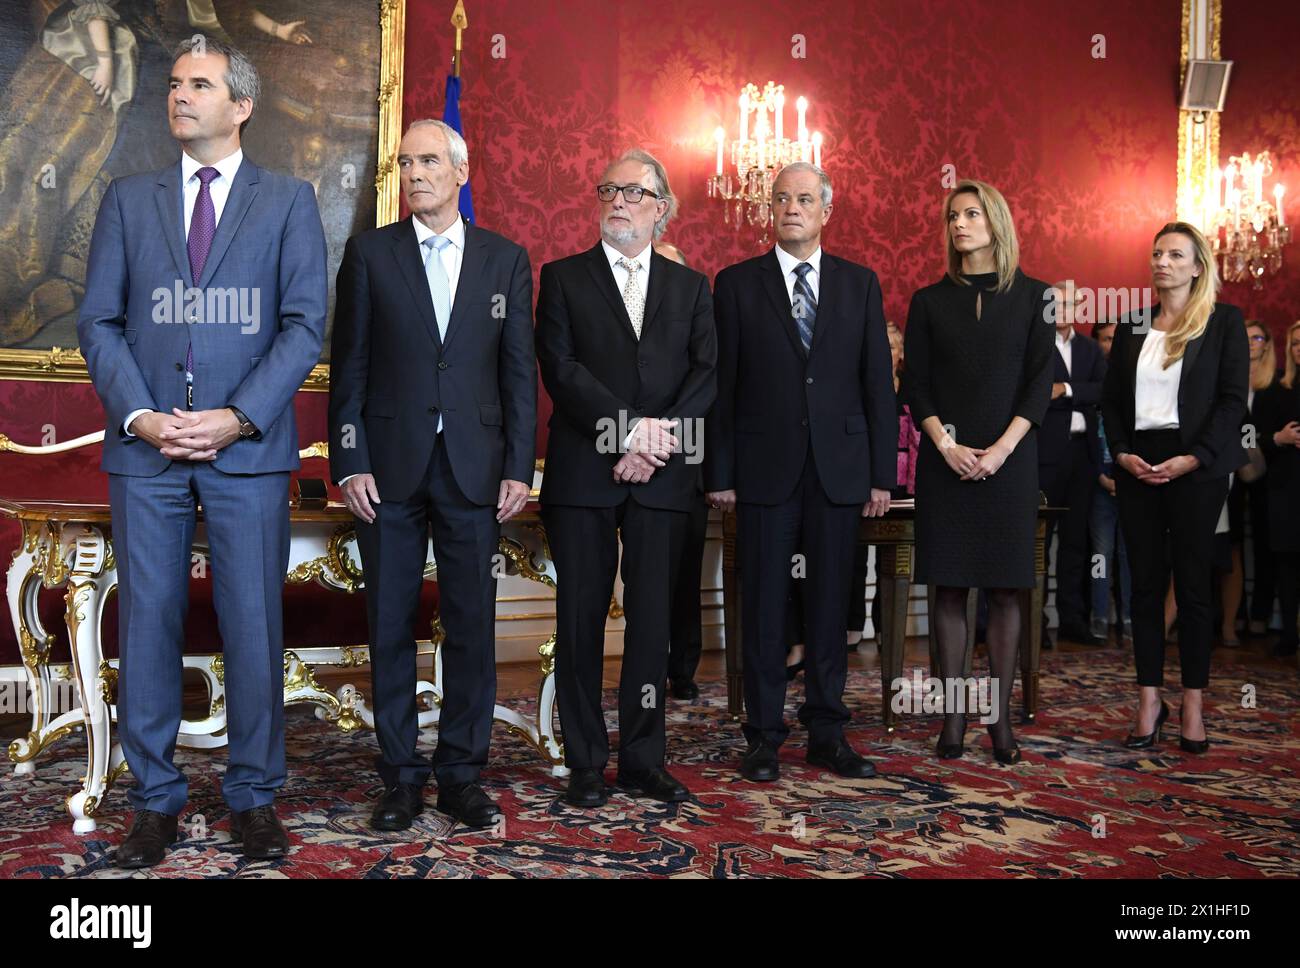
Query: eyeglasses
<point x="1257" y="338"/>
<point x="631" y="193"/>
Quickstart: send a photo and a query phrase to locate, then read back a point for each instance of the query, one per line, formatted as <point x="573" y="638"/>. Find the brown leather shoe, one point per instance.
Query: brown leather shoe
<point x="261" y="832"/>
<point x="151" y="834"/>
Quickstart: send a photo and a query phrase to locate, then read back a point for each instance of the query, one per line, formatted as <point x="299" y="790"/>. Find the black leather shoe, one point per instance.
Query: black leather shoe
<point x="469" y="804"/>
<point x="261" y="832"/>
<point x="1193" y="745"/>
<point x="398" y="807"/>
<point x="1149" y="739"/>
<point x="1075" y="631"/>
<point x="586" y="789"/>
<point x="760" y="764"/>
<point x="655" y="784"/>
<point x="684" y="689"/>
<point x="151" y="834"/>
<point x="842" y="760"/>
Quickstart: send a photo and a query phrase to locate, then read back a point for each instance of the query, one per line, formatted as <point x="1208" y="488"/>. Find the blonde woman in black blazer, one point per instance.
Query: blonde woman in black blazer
<point x="1173" y="403"/>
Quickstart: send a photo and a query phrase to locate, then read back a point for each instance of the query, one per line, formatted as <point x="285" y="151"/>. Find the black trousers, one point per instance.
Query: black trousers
<point x="584" y="545"/>
<point x="1166" y="523"/>
<point x="393" y="551"/>
<point x="686" y="641"/>
<point x="1070" y="483"/>
<point x="770" y="536"/>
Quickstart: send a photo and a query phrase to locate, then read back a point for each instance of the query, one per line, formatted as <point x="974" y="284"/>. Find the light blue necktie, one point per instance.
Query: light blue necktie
<point x="439" y="287"/>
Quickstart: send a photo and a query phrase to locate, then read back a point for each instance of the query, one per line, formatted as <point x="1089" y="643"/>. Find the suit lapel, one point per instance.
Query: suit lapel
<point x="774" y="286"/>
<point x="472" y="263"/>
<point x="168" y="199"/>
<point x="598" y="267"/>
<point x="1190" y="352"/>
<point x="826" y="300"/>
<point x="655" y="294"/>
<point x="406" y="252"/>
<point x="242" y="193"/>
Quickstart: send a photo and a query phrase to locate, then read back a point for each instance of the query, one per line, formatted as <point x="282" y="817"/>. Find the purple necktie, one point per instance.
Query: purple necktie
<point x="203" y="226"/>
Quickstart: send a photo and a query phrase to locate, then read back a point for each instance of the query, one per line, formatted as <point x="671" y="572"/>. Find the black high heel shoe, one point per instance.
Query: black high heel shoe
<point x="1150" y="739"/>
<point x="1191" y="745"/>
<point x="791" y="671"/>
<point x="952" y="751"/>
<point x="1006" y="755"/>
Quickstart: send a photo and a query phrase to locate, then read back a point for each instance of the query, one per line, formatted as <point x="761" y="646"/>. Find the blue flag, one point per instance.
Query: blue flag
<point x="451" y="115"/>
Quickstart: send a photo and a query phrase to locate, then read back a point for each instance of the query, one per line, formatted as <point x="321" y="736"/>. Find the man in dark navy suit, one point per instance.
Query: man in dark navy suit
<point x="802" y="443"/>
<point x="433" y="413"/>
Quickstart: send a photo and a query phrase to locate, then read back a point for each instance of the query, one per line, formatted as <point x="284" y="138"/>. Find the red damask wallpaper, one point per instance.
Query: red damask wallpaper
<point x="1003" y="90"/>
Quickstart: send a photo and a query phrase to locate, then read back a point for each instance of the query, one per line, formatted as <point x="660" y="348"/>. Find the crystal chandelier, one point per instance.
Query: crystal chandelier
<point x="1245" y="227"/>
<point x="758" y="154"/>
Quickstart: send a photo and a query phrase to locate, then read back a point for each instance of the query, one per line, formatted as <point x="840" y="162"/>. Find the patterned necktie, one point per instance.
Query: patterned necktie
<point x="439" y="286"/>
<point x="203" y="227"/>
<point x="633" y="297"/>
<point x="804" y="306"/>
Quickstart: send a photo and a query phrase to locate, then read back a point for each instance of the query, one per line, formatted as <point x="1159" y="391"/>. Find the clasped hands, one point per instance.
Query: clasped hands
<point x="1161" y="473"/>
<point x="188" y="434"/>
<point x="974" y="463"/>
<point x="649" y="446"/>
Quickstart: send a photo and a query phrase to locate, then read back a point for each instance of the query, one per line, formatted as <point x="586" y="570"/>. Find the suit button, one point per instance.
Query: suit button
<point x="641" y="363"/>
<point x="809" y="380"/>
<point x="180" y="366"/>
<point x="803" y="422"/>
<point x="442" y="364"/>
<point x="433" y="410"/>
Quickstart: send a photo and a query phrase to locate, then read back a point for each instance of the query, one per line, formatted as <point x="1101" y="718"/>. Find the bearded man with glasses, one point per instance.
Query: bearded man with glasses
<point x="626" y="346"/>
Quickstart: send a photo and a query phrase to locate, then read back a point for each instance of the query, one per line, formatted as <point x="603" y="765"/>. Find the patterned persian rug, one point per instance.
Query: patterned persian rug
<point x="1079" y="806"/>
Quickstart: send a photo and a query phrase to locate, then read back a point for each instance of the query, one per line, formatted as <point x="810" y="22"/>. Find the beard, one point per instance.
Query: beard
<point x="618" y="236"/>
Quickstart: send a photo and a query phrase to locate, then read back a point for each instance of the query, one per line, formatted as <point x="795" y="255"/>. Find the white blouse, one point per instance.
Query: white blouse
<point x="1156" y="401"/>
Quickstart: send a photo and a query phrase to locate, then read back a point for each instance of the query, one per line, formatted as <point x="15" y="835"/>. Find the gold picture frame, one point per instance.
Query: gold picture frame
<point x="66" y="365"/>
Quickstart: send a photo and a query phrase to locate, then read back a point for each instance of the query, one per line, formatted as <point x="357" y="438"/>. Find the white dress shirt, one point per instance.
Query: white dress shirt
<point x="1078" y="425"/>
<point x="1155" y="404"/>
<point x="814" y="278"/>
<point x="219" y="190"/>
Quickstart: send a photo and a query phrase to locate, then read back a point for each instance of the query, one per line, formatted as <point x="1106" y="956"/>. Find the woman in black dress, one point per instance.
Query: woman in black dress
<point x="978" y="378"/>
<point x="1173" y="405"/>
<point x="1278" y="409"/>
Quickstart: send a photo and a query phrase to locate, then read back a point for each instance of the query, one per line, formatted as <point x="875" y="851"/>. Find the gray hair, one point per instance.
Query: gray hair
<point x="824" y="178"/>
<point x="240" y="77"/>
<point x="457" y="150"/>
<point x="661" y="183"/>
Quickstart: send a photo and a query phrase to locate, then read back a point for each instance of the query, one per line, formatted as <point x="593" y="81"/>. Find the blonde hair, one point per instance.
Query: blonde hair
<point x="1195" y="316"/>
<point x="1262" y="372"/>
<point x="1288" y="380"/>
<point x="1002" y="232"/>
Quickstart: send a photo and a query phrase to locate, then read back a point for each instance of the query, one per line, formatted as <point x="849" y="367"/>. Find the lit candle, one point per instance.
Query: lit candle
<point x="802" y="106"/>
<point x="817" y="148"/>
<point x="780" y="114"/>
<point x="1278" y="192"/>
<point x="762" y="152"/>
<point x="804" y="148"/>
<point x="1259" y="182"/>
<point x="719" y="136"/>
<point x="744" y="116"/>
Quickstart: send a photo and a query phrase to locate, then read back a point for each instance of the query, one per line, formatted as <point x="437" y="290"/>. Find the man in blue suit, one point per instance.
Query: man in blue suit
<point x="204" y="312"/>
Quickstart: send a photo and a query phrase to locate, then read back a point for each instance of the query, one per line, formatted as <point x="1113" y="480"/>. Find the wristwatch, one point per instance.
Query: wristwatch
<point x="247" y="429"/>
